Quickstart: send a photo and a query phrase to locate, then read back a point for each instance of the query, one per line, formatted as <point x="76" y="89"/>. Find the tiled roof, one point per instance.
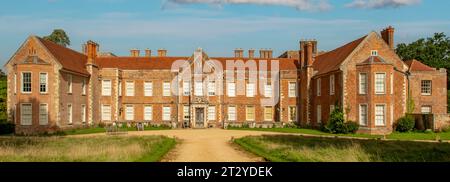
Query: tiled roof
<point x="70" y="60"/>
<point x="415" y="65"/>
<point x="136" y="63"/>
<point x="374" y="60"/>
<point x="332" y="60"/>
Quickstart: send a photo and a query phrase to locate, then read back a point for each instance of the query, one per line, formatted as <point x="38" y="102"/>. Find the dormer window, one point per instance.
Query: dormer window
<point x="374" y="53"/>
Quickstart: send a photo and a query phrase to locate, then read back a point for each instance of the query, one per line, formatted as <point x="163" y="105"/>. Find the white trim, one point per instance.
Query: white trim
<point x="290" y="94"/>
<point x="21" y="114"/>
<point x="45" y="121"/>
<point x="83" y="87"/>
<point x="83" y="113"/>
<point x="166" y="118"/>
<point x="130" y="89"/>
<point x="212" y="113"/>
<point x="129" y="116"/>
<point x="105" y="91"/>
<point x="70" y="82"/>
<point x="234" y="113"/>
<point x="271" y="113"/>
<point x="21" y="82"/>
<point x="247" y="109"/>
<point x="46" y="82"/>
<point x="148" y="88"/>
<point x="366" y="122"/>
<point x="360" y="90"/>
<point x="103" y="115"/>
<point x="146" y="116"/>
<point x="70" y="113"/>
<point x="166" y="93"/>
<point x="375" y="83"/>
<point x="384" y="114"/>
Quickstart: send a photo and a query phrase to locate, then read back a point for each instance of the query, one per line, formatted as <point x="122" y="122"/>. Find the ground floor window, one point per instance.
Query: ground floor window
<point x="129" y="113"/>
<point x="380" y="113"/>
<point x="43" y="114"/>
<point x="106" y="112"/>
<point x="26" y="114"/>
<point x="148" y="113"/>
<point x="166" y="113"/>
<point x="292" y="113"/>
<point x="232" y="113"/>
<point x="250" y="113"/>
<point x="363" y="115"/>
<point x="69" y="113"/>
<point x="212" y="113"/>
<point x="319" y="114"/>
<point x="83" y="113"/>
<point x="268" y="113"/>
<point x="186" y="113"/>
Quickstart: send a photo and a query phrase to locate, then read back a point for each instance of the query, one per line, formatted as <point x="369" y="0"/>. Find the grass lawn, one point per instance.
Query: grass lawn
<point x="102" y="130"/>
<point x="290" y="148"/>
<point x="395" y="135"/>
<point x="84" y="149"/>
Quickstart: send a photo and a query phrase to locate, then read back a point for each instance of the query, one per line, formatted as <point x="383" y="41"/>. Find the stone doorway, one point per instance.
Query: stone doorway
<point x="199" y="119"/>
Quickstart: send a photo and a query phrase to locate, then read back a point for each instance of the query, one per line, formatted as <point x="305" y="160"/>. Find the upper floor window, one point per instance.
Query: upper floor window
<point x="363" y="83"/>
<point x="231" y="89"/>
<point x="148" y="89"/>
<point x="332" y="85"/>
<point x="374" y="53"/>
<point x="211" y="113"/>
<point x="392" y="83"/>
<point x="120" y="88"/>
<point x="319" y="87"/>
<point x="106" y="87"/>
<point x="83" y="87"/>
<point x="186" y="88"/>
<point x="212" y="88"/>
<point x="43" y="82"/>
<point x="26" y="82"/>
<point x="268" y="90"/>
<point x="69" y="83"/>
<point x="425" y="109"/>
<point x="15" y="83"/>
<point x="198" y="89"/>
<point x="166" y="89"/>
<point x="426" y="87"/>
<point x="380" y="83"/>
<point x="250" y="90"/>
<point x="292" y="89"/>
<point x="129" y="86"/>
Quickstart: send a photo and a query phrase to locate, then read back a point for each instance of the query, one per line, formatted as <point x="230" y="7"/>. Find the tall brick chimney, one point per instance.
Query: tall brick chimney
<point x="251" y="53"/>
<point x="388" y="36"/>
<point x="238" y="53"/>
<point x="309" y="46"/>
<point x="269" y="54"/>
<point x="91" y="51"/>
<point x="135" y="52"/>
<point x="148" y="53"/>
<point x="162" y="53"/>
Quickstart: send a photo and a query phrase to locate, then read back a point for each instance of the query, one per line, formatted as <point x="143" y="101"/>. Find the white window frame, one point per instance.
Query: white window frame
<point x="250" y="89"/>
<point x="319" y="86"/>
<point x="319" y="114"/>
<point x="83" y="113"/>
<point x="70" y="83"/>
<point x="186" y="88"/>
<point x="198" y="88"/>
<point x="186" y="112"/>
<point x="231" y="89"/>
<point x="362" y="84"/>
<point x="232" y="113"/>
<point x="211" y="88"/>
<point x="292" y="89"/>
<point x="120" y="88"/>
<point x="374" y="53"/>
<point x="266" y="109"/>
<point x="148" y="112"/>
<point x="247" y="109"/>
<point x="43" y="84"/>
<point x="332" y="85"/>
<point x="105" y="115"/>
<point x="361" y="115"/>
<point x="22" y="121"/>
<point x="70" y="113"/>
<point x="106" y="90"/>
<point x="166" y="89"/>
<point x="422" y="87"/>
<point x="290" y="113"/>
<point x="166" y="113"/>
<point x="22" y="82"/>
<point x="83" y="87"/>
<point x="377" y="114"/>
<point x="268" y="91"/>
<point x="129" y="112"/>
<point x="426" y="109"/>
<point x="211" y="113"/>
<point x="129" y="88"/>
<point x="148" y="88"/>
<point x="15" y="83"/>
<point x="43" y="115"/>
<point x="376" y="84"/>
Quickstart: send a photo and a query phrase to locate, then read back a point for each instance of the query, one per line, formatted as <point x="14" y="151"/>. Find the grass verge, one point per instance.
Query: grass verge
<point x="290" y="148"/>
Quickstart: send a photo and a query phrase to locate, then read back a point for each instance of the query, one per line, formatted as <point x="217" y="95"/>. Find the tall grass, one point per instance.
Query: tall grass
<point x="310" y="149"/>
<point x="84" y="149"/>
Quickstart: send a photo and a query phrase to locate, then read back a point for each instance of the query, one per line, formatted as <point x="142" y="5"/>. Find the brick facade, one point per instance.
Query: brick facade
<point x="301" y="75"/>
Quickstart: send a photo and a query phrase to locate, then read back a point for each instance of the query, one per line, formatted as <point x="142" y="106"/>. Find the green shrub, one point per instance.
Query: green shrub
<point x="352" y="126"/>
<point x="337" y="125"/>
<point x="405" y="124"/>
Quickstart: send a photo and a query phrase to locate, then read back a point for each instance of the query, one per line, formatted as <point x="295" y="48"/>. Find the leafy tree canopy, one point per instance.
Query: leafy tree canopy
<point x="59" y="36"/>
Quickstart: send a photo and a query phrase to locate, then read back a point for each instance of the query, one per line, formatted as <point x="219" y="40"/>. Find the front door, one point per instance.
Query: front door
<point x="200" y="117"/>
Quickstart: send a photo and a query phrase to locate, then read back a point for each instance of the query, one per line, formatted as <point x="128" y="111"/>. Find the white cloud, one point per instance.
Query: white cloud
<point x="302" y="5"/>
<point x="377" y="4"/>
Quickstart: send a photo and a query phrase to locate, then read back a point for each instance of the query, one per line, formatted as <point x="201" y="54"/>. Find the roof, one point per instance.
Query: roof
<point x="70" y="60"/>
<point x="146" y="63"/>
<point x="415" y="65"/>
<point x="332" y="60"/>
<point x="374" y="60"/>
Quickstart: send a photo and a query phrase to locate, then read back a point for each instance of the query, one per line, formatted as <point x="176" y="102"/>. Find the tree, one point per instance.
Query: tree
<point x="432" y="51"/>
<point x="59" y="36"/>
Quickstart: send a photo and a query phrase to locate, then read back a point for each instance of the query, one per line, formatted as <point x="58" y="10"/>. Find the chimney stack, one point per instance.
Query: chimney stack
<point x="148" y="53"/>
<point x="309" y="46"/>
<point x="162" y="53"/>
<point x="251" y="53"/>
<point x="91" y="49"/>
<point x="388" y="36"/>
<point x="135" y="52"/>
<point x="238" y="53"/>
<point x="269" y="54"/>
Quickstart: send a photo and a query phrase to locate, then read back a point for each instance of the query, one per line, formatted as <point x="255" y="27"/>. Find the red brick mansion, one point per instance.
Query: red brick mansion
<point x="52" y="88"/>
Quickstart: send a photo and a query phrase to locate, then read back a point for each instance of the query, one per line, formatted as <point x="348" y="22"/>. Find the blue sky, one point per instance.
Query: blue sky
<point x="218" y="26"/>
